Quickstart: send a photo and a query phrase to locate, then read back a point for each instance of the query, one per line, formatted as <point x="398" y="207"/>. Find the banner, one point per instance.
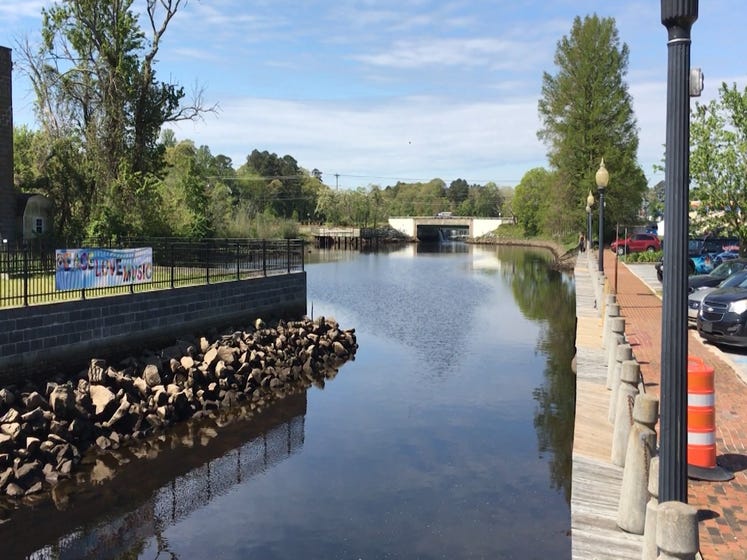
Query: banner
<point x="76" y="269"/>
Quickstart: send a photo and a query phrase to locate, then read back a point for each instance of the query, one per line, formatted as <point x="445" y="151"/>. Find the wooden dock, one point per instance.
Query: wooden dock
<point x="596" y="482"/>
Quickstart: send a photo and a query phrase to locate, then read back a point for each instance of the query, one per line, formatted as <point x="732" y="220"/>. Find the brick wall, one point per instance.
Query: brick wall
<point x="42" y="339"/>
<point x="7" y="198"/>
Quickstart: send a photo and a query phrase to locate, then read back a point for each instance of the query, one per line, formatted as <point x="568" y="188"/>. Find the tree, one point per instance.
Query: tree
<point x="95" y="81"/>
<point x="458" y="191"/>
<point x="530" y="202"/>
<point x="718" y="162"/>
<point x="587" y="115"/>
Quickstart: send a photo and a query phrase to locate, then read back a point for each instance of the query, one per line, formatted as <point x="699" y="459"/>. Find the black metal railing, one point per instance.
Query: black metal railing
<point x="27" y="274"/>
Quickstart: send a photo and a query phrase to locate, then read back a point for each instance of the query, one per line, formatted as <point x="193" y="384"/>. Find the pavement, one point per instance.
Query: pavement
<point x="721" y="505"/>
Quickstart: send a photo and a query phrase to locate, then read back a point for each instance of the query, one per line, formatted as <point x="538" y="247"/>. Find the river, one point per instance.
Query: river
<point x="449" y="435"/>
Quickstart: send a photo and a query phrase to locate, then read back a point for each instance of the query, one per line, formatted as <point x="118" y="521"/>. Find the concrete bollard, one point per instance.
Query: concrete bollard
<point x="631" y="511"/>
<point x="677" y="531"/>
<point x="617" y="329"/>
<point x="626" y="393"/>
<point x="623" y="354"/>
<point x="650" y="550"/>
<point x="615" y="341"/>
<point x="613" y="310"/>
<point x="646" y="410"/>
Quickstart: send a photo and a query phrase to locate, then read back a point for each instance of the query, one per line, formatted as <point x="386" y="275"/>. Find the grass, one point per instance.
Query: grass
<point x="41" y="287"/>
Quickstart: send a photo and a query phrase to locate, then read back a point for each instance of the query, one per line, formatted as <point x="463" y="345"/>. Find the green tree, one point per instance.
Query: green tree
<point x="530" y="203"/>
<point x="458" y="191"/>
<point x="587" y="115"/>
<point x="95" y="81"/>
<point x="718" y="162"/>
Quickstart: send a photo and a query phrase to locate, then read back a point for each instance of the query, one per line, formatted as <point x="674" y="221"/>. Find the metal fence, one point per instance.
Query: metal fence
<point x="27" y="274"/>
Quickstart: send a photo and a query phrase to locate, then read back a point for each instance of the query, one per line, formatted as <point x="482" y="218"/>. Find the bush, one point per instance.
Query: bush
<point x="643" y="257"/>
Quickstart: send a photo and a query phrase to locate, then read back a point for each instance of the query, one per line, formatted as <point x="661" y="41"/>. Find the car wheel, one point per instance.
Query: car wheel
<point x="650" y="249"/>
<point x="660" y="275"/>
<point x="621" y="251"/>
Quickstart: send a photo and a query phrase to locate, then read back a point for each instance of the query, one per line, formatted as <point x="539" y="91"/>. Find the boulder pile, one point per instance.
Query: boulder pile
<point x="46" y="429"/>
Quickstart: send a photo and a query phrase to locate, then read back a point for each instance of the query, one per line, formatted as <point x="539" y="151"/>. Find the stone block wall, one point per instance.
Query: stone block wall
<point x="7" y="196"/>
<point x="42" y="339"/>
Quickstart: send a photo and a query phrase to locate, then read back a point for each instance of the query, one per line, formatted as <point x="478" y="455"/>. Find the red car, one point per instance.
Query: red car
<point x="636" y="243"/>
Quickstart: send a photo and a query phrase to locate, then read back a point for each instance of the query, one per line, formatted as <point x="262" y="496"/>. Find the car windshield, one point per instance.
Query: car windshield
<point x="723" y="270"/>
<point x="735" y="279"/>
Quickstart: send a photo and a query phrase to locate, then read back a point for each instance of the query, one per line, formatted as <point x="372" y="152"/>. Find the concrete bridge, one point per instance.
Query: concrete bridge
<point x="428" y="227"/>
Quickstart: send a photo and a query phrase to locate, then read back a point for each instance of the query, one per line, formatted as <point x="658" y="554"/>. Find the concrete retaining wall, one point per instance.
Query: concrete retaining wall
<point x="63" y="336"/>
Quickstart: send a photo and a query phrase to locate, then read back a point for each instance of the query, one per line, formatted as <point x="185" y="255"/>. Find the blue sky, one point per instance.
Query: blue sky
<point x="378" y="90"/>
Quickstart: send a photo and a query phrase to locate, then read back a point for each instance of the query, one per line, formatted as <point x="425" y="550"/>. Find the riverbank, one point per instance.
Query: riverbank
<point x="564" y="258"/>
<point x="47" y="428"/>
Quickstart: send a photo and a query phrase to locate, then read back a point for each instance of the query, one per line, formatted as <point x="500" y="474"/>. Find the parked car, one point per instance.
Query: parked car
<point x="713" y="278"/>
<point x="696" y="297"/>
<point x="636" y="243"/>
<point x="703" y="254"/>
<point x="706" y="253"/>
<point x="723" y="316"/>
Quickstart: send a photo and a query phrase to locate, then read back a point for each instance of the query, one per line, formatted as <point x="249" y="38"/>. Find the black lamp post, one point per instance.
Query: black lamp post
<point x="602" y="177"/>
<point x="589" y="204"/>
<point x="677" y="16"/>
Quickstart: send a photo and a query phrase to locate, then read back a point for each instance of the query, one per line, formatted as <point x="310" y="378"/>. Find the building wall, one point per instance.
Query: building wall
<point x="7" y="196"/>
<point x="42" y="339"/>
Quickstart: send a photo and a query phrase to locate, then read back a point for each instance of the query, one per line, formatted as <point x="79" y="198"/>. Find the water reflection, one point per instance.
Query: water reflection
<point x="549" y="296"/>
<point x="193" y="465"/>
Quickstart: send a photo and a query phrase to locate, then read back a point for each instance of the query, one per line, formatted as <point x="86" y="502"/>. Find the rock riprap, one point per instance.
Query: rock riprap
<point x="46" y="430"/>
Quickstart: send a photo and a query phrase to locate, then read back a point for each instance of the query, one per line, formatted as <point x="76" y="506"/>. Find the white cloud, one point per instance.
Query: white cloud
<point x="410" y="139"/>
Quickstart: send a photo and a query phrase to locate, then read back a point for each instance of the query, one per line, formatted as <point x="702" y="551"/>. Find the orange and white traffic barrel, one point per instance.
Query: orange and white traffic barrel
<point x="701" y="423"/>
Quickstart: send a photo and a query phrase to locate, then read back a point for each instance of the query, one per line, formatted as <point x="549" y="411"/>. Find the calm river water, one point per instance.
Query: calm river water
<point x="449" y="435"/>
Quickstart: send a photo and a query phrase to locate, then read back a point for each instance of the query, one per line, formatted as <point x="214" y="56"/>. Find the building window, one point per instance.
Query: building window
<point x="39" y="225"/>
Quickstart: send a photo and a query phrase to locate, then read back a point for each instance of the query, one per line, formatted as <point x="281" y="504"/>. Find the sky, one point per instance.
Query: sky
<point x="371" y="92"/>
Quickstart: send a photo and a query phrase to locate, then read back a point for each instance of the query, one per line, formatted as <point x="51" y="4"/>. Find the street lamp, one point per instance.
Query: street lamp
<point x="589" y="204"/>
<point x="678" y="17"/>
<point x="603" y="178"/>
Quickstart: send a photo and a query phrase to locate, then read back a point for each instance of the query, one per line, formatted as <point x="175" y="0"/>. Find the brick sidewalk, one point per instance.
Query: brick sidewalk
<point x="721" y="505"/>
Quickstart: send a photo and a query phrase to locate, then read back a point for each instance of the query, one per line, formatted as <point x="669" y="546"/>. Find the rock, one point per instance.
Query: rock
<point x="103" y="443"/>
<point x="32" y="445"/>
<point x="151" y="375"/>
<point x="65" y="467"/>
<point x="103" y="400"/>
<point x="339" y="349"/>
<point x="11" y="416"/>
<point x="62" y="401"/>
<point x="5" y="477"/>
<point x="35" y="488"/>
<point x="96" y="371"/>
<point x="122" y="411"/>
<point x="187" y="362"/>
<point x="210" y="357"/>
<point x="28" y="473"/>
<point x="14" y="491"/>
<point x="34" y="417"/>
<point x="7" y="397"/>
<point x="228" y="354"/>
<point x="35" y="400"/>
<point x="142" y="387"/>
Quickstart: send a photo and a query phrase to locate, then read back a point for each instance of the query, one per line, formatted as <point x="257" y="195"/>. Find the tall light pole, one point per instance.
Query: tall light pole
<point x="678" y="17"/>
<point x="602" y="178"/>
<point x="589" y="204"/>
